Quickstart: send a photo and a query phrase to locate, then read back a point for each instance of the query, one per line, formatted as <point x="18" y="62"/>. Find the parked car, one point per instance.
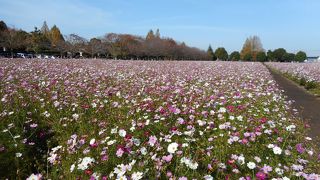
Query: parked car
<point x="21" y="55"/>
<point x="30" y="56"/>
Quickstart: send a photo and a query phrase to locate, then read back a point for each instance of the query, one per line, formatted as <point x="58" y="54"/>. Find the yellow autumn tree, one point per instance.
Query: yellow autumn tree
<point x="55" y="36"/>
<point x="251" y="48"/>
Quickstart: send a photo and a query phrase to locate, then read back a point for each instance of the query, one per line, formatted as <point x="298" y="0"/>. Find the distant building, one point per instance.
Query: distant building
<point x="313" y="59"/>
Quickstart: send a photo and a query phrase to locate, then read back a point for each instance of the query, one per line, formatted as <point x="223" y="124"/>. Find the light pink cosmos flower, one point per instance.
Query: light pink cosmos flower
<point x="119" y="152"/>
<point x="167" y="158"/>
<point x="34" y="125"/>
<point x="152" y="140"/>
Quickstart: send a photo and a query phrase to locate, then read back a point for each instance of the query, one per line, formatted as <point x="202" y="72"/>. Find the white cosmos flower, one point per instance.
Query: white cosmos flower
<point x="56" y="103"/>
<point x="277" y="150"/>
<point x="241" y="160"/>
<point x="251" y="165"/>
<point x="136" y="176"/>
<point x="85" y="163"/>
<point x="35" y="177"/>
<point x="111" y="142"/>
<point x="122" y="133"/>
<point x="173" y="147"/>
<point x="92" y="141"/>
<point x="291" y="127"/>
<point x="240" y="118"/>
<point x="143" y="151"/>
<point x="208" y="177"/>
<point x="75" y="116"/>
<point x="72" y="167"/>
<point x="279" y="171"/>
<point x="257" y="159"/>
<point x="270" y="146"/>
<point x="222" y="110"/>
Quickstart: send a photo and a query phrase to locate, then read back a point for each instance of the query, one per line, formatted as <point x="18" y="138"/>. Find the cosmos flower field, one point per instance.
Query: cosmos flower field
<point x="309" y="71"/>
<point x="305" y="74"/>
<point x="98" y="119"/>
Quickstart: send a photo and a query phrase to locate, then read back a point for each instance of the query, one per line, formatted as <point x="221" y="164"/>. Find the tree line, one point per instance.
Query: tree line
<point x="111" y="45"/>
<point x="252" y="50"/>
<point x="50" y="41"/>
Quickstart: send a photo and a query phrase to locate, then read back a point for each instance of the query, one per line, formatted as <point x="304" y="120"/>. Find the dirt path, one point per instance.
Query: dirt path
<point x="307" y="104"/>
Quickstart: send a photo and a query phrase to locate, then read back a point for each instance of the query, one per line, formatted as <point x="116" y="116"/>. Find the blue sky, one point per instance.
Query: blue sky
<point x="291" y="24"/>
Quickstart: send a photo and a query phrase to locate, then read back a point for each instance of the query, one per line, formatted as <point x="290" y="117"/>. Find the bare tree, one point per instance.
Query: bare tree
<point x="75" y="44"/>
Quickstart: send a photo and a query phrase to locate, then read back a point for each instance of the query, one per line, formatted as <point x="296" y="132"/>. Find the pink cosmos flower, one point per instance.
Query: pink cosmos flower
<point x="266" y="169"/>
<point x="167" y="158"/>
<point x="261" y="176"/>
<point x="119" y="152"/>
<point x="104" y="158"/>
<point x="300" y="148"/>
<point x="244" y="141"/>
<point x="169" y="174"/>
<point x="152" y="140"/>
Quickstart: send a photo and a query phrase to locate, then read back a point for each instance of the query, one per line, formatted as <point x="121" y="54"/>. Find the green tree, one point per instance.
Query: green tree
<point x="261" y="56"/>
<point x="247" y="57"/>
<point x="221" y="54"/>
<point x="288" y="57"/>
<point x="300" y="56"/>
<point x="39" y="42"/>
<point x="3" y="26"/>
<point x="210" y="53"/>
<point x="270" y="56"/>
<point x="234" y="56"/>
<point x="3" y="34"/>
<point x="279" y="54"/>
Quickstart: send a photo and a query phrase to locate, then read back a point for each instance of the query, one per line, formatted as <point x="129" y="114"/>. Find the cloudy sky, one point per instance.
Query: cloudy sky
<point x="291" y="24"/>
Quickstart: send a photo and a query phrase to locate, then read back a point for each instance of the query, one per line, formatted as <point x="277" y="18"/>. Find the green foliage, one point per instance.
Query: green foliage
<point x="221" y="54"/>
<point x="311" y="85"/>
<point x="303" y="81"/>
<point x="300" y="56"/>
<point x="3" y="26"/>
<point x="247" y="57"/>
<point x="261" y="56"/>
<point x="270" y="56"/>
<point x="288" y="57"/>
<point x="234" y="56"/>
<point x="39" y="42"/>
<point x="210" y="53"/>
<point x="279" y="54"/>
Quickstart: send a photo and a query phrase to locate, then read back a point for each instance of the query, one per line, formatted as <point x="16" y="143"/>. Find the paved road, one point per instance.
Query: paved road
<point x="307" y="104"/>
